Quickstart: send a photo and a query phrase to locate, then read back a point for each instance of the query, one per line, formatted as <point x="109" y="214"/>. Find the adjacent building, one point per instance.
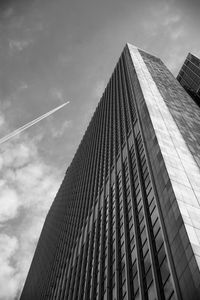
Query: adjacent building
<point x="125" y="223"/>
<point x="189" y="77"/>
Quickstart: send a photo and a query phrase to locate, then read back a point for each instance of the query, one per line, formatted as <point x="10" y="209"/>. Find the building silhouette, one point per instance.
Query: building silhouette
<point x="189" y="77"/>
<point x="125" y="223"/>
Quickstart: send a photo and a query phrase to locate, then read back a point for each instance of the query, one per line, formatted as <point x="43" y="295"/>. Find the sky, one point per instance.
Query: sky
<point x="57" y="51"/>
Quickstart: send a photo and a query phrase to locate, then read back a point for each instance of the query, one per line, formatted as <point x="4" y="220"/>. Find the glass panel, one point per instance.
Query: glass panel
<point x="151" y="292"/>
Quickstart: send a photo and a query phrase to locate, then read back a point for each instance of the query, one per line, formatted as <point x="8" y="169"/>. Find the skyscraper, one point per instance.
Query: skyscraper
<point x="189" y="77"/>
<point x="125" y="223"/>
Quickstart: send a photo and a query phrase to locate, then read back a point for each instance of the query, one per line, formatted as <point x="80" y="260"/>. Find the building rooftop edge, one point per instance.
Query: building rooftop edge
<point x="129" y="45"/>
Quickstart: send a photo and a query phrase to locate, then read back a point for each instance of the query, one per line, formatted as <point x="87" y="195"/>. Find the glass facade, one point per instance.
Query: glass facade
<point x="108" y="234"/>
<point x="189" y="77"/>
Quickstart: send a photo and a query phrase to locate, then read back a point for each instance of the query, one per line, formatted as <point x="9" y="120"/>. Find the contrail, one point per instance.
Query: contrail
<point x="24" y="127"/>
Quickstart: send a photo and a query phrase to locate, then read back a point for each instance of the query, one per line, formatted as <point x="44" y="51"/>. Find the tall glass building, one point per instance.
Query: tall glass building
<point x="125" y="223"/>
<point x="189" y="77"/>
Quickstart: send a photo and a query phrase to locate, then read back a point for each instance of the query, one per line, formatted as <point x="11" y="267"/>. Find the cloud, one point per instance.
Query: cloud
<point x="57" y="132"/>
<point x="174" y="26"/>
<point x="9" y="279"/>
<point x="57" y="94"/>
<point x="165" y="19"/>
<point x="24" y="170"/>
<point x="19" y="45"/>
<point x="27" y="190"/>
<point x="64" y="59"/>
<point x="177" y="33"/>
<point x="171" y="19"/>
<point x="2" y="120"/>
<point x="9" y="203"/>
<point x="21" y="154"/>
<point x="23" y="86"/>
<point x="99" y="89"/>
<point x="8" y="12"/>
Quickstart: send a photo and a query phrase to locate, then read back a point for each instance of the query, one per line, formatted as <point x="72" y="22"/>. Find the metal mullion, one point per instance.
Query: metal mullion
<point x="74" y="231"/>
<point x="68" y="245"/>
<point x="75" y="272"/>
<point x="49" y="290"/>
<point x="93" y="284"/>
<point x="162" y="228"/>
<point x="122" y="111"/>
<point x="134" y="210"/>
<point x="89" y="258"/>
<point x="53" y="263"/>
<point x="96" y="255"/>
<point x="98" y="127"/>
<point x="123" y="191"/>
<point x="102" y="246"/>
<point x="166" y="241"/>
<point x="59" y="266"/>
<point x="150" y="236"/>
<point x="82" y="261"/>
<point x="125" y="103"/>
<point x="158" y="290"/>
<point x="111" y="127"/>
<point x="97" y="187"/>
<point x="106" y="131"/>
<point x="116" y="121"/>
<point x="84" y="212"/>
<point x="109" y="182"/>
<point x="108" y="153"/>
<point x="138" y="166"/>
<point x="101" y="165"/>
<point x="99" y="141"/>
<point x="79" y="212"/>
<point x="117" y="276"/>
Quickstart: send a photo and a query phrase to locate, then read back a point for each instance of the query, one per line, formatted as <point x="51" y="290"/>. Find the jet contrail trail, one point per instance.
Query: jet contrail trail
<point x="24" y="127"/>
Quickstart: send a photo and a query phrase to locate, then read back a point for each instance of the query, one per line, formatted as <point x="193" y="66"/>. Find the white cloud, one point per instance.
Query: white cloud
<point x="29" y="175"/>
<point x="18" y="155"/>
<point x="9" y="203"/>
<point x="99" y="89"/>
<point x="164" y="20"/>
<point x="171" y="19"/>
<point x="9" y="279"/>
<point x="57" y="132"/>
<point x="2" y="121"/>
<point x="27" y="189"/>
<point x="23" y="86"/>
<point x="19" y="45"/>
<point x="177" y="33"/>
<point x="57" y="94"/>
<point x="8" y="246"/>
